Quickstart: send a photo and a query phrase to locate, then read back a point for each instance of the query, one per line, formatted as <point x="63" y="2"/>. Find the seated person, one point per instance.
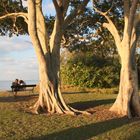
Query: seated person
<point x="21" y="82"/>
<point x="15" y="83"/>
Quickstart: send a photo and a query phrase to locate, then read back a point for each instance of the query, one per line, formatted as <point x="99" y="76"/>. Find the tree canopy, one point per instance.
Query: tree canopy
<point x="12" y="25"/>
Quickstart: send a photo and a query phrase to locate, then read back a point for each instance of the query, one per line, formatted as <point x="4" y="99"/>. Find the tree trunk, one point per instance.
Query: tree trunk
<point x="127" y="102"/>
<point x="50" y="98"/>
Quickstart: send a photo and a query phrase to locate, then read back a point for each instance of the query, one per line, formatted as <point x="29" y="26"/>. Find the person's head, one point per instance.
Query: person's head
<point x="16" y="80"/>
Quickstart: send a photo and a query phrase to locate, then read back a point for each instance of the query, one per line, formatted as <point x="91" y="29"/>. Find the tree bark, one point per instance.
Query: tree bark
<point x="47" y="50"/>
<point x="127" y="102"/>
<point x="49" y="99"/>
<point x="48" y="54"/>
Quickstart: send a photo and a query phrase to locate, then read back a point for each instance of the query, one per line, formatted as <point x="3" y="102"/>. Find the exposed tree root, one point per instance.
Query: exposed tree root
<point x="38" y="109"/>
<point x="127" y="103"/>
<point x="49" y="103"/>
<point x="77" y="112"/>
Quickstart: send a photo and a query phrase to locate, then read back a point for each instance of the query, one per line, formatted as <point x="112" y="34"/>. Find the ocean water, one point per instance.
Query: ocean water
<point x="6" y="85"/>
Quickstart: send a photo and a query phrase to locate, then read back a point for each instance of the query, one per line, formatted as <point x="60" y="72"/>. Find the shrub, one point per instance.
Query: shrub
<point x="91" y="71"/>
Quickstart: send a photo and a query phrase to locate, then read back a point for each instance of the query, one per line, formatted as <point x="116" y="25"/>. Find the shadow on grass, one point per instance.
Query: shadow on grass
<point x="135" y="136"/>
<point x="85" y="132"/>
<point x="18" y="98"/>
<point x="91" y="104"/>
<point x="76" y="92"/>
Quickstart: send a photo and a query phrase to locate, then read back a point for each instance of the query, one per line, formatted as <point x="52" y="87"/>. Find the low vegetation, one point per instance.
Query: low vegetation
<point x="87" y="70"/>
<point x="16" y="123"/>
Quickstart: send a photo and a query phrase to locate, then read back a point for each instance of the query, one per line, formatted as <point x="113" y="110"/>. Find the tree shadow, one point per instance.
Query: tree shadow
<point x="91" y="104"/>
<point x="76" y="92"/>
<point x="135" y="136"/>
<point x="85" y="132"/>
<point x="19" y="98"/>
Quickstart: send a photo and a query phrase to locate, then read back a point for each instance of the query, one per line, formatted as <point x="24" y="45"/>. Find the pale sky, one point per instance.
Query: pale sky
<point x="18" y="59"/>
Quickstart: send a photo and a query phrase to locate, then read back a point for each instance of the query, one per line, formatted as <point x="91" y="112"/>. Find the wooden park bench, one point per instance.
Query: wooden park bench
<point x="17" y="88"/>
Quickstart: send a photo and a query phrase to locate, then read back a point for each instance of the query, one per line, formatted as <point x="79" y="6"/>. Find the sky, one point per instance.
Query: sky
<point x="17" y="56"/>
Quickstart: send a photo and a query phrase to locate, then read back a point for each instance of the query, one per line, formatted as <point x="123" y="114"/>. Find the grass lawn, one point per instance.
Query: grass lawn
<point x="17" y="124"/>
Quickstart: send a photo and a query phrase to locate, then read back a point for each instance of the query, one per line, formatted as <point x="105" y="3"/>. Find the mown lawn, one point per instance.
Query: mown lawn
<point x="17" y="124"/>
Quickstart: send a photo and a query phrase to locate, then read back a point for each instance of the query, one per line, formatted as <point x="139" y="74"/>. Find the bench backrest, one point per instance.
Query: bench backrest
<point x="22" y="86"/>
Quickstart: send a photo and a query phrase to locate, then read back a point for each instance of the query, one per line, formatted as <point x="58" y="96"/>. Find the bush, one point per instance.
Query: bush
<point x="91" y="71"/>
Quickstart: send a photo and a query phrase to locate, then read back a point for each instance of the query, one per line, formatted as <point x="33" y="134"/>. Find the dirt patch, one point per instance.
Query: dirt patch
<point x="102" y="113"/>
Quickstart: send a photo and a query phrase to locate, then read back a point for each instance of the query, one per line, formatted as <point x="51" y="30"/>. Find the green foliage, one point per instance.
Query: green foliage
<point x="14" y="25"/>
<point x="87" y="28"/>
<point x="91" y="71"/>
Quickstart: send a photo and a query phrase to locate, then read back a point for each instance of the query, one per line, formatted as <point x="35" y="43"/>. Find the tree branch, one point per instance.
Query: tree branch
<point x="76" y="12"/>
<point x="61" y="6"/>
<point x="110" y="26"/>
<point x="41" y="28"/>
<point x="132" y="17"/>
<point x="33" y="32"/>
<point x="59" y="12"/>
<point x="134" y="34"/>
<point x="57" y="8"/>
<point x="65" y="4"/>
<point x="126" y="16"/>
<point x="15" y="15"/>
<point x="129" y="16"/>
<point x="21" y="5"/>
<point x="32" y="28"/>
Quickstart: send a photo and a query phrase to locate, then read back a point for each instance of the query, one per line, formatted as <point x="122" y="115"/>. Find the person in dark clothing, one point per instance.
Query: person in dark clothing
<point x="16" y="88"/>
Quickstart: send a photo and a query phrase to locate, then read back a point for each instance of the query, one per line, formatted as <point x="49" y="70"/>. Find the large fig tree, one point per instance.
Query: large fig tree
<point x="47" y="48"/>
<point x="127" y="102"/>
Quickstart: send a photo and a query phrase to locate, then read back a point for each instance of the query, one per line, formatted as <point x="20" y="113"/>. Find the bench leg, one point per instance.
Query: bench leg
<point x="15" y="93"/>
<point x="33" y="90"/>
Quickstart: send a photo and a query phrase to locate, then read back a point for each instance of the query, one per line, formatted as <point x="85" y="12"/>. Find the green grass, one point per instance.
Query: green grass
<point x="17" y="124"/>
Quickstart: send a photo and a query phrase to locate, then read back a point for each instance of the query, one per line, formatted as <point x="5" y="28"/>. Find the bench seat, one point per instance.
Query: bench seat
<point x="16" y="88"/>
